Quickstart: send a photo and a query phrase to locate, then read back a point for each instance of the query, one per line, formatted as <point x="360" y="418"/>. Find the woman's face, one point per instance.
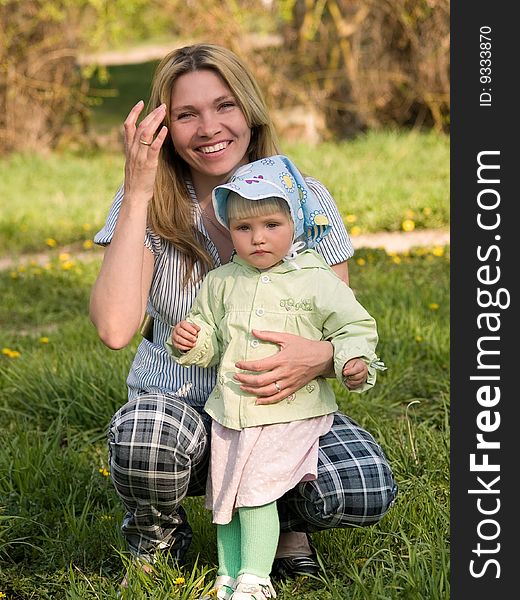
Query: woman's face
<point x="208" y="128"/>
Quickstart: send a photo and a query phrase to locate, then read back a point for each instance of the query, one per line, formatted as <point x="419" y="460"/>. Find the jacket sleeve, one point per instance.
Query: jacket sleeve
<point x="351" y="330"/>
<point x="206" y="312"/>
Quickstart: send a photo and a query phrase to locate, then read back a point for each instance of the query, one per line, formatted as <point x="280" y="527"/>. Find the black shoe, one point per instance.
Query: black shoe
<point x="294" y="566"/>
<point x="290" y="567"/>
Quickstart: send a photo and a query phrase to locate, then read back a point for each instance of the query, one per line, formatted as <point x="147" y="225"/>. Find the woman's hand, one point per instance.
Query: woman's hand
<point x="142" y="150"/>
<point x="299" y="361"/>
<point x="355" y="373"/>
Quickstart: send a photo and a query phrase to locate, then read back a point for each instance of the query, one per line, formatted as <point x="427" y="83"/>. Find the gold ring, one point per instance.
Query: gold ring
<point x="277" y="386"/>
<point x="145" y="143"/>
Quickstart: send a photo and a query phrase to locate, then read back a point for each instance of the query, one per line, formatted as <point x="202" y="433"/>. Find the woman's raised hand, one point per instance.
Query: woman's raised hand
<point x="299" y="361"/>
<point x="142" y="146"/>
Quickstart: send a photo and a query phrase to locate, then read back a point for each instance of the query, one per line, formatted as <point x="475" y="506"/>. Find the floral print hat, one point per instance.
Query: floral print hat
<point x="276" y="176"/>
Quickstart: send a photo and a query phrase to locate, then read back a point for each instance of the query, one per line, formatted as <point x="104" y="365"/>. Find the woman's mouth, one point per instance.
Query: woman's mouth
<point x="214" y="147"/>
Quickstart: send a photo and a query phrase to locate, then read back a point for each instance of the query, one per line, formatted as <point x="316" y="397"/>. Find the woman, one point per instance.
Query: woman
<point x="207" y="117"/>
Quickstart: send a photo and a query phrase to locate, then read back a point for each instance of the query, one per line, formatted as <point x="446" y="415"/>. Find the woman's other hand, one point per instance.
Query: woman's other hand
<point x="143" y="143"/>
<point x="299" y="361"/>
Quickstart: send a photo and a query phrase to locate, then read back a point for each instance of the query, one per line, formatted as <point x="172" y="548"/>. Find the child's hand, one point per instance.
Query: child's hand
<point x="355" y="373"/>
<point x="184" y="335"/>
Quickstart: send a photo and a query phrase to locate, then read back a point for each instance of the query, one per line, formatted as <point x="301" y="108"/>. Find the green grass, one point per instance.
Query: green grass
<point x="59" y="386"/>
<point x="378" y="181"/>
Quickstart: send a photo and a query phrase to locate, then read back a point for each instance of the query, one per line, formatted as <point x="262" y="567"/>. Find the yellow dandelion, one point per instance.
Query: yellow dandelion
<point x="409" y="214"/>
<point x="427" y="211"/>
<point x="433" y="306"/>
<point x="13" y="274"/>
<point x="22" y="269"/>
<point x="44" y="340"/>
<point x="87" y="226"/>
<point x="351" y="218"/>
<point x="408" y="225"/>
<point x="88" y="244"/>
<point x="104" y="471"/>
<point x="438" y="251"/>
<point x="2" y="595"/>
<point x="51" y="242"/>
<point x="361" y="261"/>
<point x="356" y="230"/>
<point x="10" y="353"/>
<point x="418" y="338"/>
<point x="63" y="256"/>
<point x="6" y="351"/>
<point x="396" y="260"/>
<point x="179" y="581"/>
<point x="67" y="265"/>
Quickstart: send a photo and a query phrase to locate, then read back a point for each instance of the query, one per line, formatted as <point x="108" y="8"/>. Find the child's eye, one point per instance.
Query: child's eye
<point x="272" y="225"/>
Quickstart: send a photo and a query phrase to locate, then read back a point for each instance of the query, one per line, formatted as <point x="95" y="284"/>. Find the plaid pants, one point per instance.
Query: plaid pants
<point x="159" y="454"/>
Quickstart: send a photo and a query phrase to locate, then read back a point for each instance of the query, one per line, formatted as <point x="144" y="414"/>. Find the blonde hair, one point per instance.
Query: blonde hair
<point x="170" y="213"/>
<point x="238" y="207"/>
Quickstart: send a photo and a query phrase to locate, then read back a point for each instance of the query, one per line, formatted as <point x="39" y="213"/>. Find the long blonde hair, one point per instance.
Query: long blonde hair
<point x="170" y="212"/>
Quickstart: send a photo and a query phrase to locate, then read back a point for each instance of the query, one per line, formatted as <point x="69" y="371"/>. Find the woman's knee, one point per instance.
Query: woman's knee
<point x="156" y="434"/>
<point x="355" y="484"/>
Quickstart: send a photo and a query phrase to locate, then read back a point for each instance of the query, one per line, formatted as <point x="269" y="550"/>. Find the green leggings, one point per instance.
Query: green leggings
<point x="247" y="544"/>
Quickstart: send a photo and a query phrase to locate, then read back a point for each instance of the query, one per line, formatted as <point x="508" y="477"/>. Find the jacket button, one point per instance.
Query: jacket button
<point x="260" y="312"/>
<point x="254" y="343"/>
<point x="265" y="279"/>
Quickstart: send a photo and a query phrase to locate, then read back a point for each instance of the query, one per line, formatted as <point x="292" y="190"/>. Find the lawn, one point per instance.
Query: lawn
<point x="59" y="386"/>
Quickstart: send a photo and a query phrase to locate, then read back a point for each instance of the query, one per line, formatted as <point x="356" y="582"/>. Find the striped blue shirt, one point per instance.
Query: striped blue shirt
<point x="153" y="370"/>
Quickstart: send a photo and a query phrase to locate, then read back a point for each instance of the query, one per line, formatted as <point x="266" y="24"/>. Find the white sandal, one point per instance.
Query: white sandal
<point x="251" y="587"/>
<point x="220" y="589"/>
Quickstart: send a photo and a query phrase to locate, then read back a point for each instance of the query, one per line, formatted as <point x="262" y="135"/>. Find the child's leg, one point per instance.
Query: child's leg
<point x="228" y="547"/>
<point x="260" y="529"/>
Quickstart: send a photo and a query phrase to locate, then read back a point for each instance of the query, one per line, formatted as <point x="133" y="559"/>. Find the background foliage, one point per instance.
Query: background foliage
<point x="348" y="64"/>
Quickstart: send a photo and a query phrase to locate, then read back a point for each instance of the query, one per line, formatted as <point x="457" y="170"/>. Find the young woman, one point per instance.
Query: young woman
<point x="207" y="117"/>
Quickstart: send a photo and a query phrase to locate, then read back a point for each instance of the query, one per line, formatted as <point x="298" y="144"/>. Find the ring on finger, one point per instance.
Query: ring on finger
<point x="144" y="142"/>
<point x="277" y="386"/>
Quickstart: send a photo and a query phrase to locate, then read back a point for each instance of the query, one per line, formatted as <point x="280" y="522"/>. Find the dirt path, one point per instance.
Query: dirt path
<point x="391" y="242"/>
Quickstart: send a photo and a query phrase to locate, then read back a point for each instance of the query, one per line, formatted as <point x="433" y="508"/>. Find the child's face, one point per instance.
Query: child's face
<point x="262" y="241"/>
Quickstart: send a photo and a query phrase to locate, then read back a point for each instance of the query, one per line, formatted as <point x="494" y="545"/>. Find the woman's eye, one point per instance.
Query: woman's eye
<point x="184" y="116"/>
<point x="226" y="105"/>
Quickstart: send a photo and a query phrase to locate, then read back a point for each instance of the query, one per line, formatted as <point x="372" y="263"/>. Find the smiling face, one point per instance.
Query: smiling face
<point x="208" y="128"/>
<point x="262" y="240"/>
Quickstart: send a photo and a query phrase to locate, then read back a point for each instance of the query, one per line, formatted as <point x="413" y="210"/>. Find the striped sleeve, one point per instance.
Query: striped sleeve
<point x="336" y="246"/>
<point x="104" y="236"/>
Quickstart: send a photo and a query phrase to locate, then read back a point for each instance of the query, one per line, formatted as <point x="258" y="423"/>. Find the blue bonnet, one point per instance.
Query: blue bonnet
<point x="276" y="176"/>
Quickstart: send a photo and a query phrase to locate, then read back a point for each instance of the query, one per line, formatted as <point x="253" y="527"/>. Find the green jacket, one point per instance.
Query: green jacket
<point x="310" y="301"/>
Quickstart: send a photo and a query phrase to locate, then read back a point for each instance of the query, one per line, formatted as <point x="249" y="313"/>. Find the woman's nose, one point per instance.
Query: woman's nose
<point x="208" y="126"/>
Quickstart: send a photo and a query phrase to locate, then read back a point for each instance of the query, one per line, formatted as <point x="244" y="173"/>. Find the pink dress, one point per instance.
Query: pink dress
<point x="257" y="465"/>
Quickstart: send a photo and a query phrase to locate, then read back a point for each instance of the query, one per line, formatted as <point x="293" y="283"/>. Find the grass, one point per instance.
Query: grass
<point x="64" y="198"/>
<point x="60" y="517"/>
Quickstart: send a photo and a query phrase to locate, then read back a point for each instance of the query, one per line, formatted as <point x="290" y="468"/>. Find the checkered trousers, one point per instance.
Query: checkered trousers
<point x="159" y="454"/>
